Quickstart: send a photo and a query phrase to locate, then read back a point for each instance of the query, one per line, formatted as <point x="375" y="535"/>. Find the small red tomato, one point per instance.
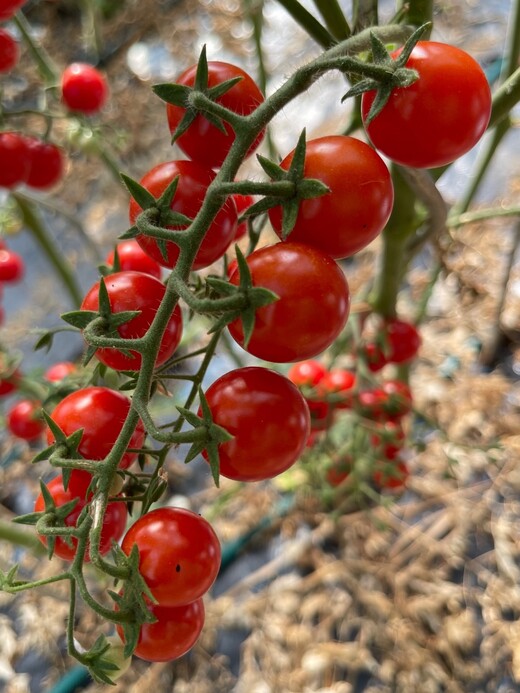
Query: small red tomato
<point x="203" y="141"/>
<point x="132" y="257"/>
<point x="403" y="341"/>
<point x="242" y="202"/>
<point x="9" y="51"/>
<point x="59" y="371"/>
<point x="399" y="398"/>
<point x="338" y="383"/>
<point x="339" y="470"/>
<point x="388" y="438"/>
<point x="391" y="475"/>
<point x="12" y="266"/>
<point x="320" y="412"/>
<point x="129" y="291"/>
<point x="14" y="159"/>
<point x="267" y="417"/>
<point x="83" y="88"/>
<point x="114" y="522"/>
<point x="370" y="403"/>
<point x="306" y="373"/>
<point x="312" y="308"/>
<point x="9" y="383"/>
<point x="24" y="419"/>
<point x="194" y="180"/>
<point x="354" y="212"/>
<point x="179" y="554"/>
<point x="9" y="7"/>
<point x="172" y="635"/>
<point x="374" y="356"/>
<point x="46" y="164"/>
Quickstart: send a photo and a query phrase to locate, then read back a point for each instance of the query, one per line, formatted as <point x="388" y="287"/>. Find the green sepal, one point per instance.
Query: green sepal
<point x="79" y="318"/>
<point x="132" y="232"/>
<point x="176" y="94"/>
<point x="89" y="354"/>
<point x="45" y="341"/>
<point x="141" y="195"/>
<point x="163" y="248"/>
<point x="272" y="169"/>
<point x="290" y="211"/>
<point x="221" y="286"/>
<point x="191" y="418"/>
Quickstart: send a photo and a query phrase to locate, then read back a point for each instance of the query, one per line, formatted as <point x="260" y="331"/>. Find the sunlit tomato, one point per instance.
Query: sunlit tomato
<point x="203" y="141"/>
<point x="438" y="118"/>
<point x="391" y="475"/>
<point x="242" y="202"/>
<point x="135" y="291"/>
<point x="46" y="164"/>
<point x="83" y="88"/>
<point x="173" y="634"/>
<point x="313" y="304"/>
<point x="132" y="257"/>
<point x="354" y="212"/>
<point x="14" y="159"/>
<point x="12" y="266"/>
<point x="194" y="179"/>
<point x="59" y="371"/>
<point x="24" y="419"/>
<point x="267" y="417"/>
<point x="114" y="522"/>
<point x="9" y="7"/>
<point x="9" y="51"/>
<point x="179" y="554"/>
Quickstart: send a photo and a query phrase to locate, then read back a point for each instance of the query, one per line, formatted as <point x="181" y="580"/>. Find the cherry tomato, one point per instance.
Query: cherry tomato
<point x="114" y="522"/>
<point x="59" y="371"/>
<point x="14" y="159"/>
<point x="388" y="439"/>
<point x="399" y="398"/>
<point x="403" y="341"/>
<point x="313" y="304"/>
<point x="338" y="383"/>
<point x="100" y="413"/>
<point x="179" y="554"/>
<point x="339" y="470"/>
<point x="268" y="417"/>
<point x="242" y="203"/>
<point x="438" y="118"/>
<point x="24" y="419"/>
<point x="9" y="383"/>
<point x="354" y="212"/>
<point x="374" y="356"/>
<point x="173" y="634"/>
<point x="83" y="88"/>
<point x="370" y="403"/>
<point x="202" y="141"/>
<point x="132" y="257"/>
<point x="135" y="291"/>
<point x="391" y="475"/>
<point x="9" y="51"/>
<point x="9" y="7"/>
<point x="306" y="373"/>
<point x="46" y="164"/>
<point x="194" y="179"/>
<point x="12" y="266"/>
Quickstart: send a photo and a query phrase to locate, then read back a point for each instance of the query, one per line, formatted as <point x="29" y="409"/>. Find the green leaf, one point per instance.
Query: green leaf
<point x="220" y="89"/>
<point x="273" y="170"/>
<point x="296" y="169"/>
<point x="79" y="318"/>
<point x="141" y="195"/>
<point x="118" y="319"/>
<point x="379" y="51"/>
<point x="164" y="202"/>
<point x="45" y="342"/>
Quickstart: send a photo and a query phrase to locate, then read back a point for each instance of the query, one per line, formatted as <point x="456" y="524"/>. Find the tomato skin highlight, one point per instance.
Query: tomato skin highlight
<point x="439" y="117"/>
<point x="203" y="142"/>
<point x="268" y="417"/>
<point x="179" y="554"/>
<point x="313" y="304"/>
<point x="345" y="220"/>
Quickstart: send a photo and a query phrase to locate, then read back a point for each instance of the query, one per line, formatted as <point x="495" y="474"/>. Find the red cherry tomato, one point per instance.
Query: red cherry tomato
<point x="339" y="470"/>
<point x="135" y="291"/>
<point x="242" y="202"/>
<point x="194" y="180"/>
<point x="132" y="257"/>
<point x="59" y="371"/>
<point x="354" y="212"/>
<point x="268" y="417"/>
<point x="173" y="634"/>
<point x="24" y="419"/>
<point x="12" y="266"/>
<point x="9" y="51"/>
<point x="403" y="341"/>
<point x="374" y="356"/>
<point x="313" y="304"/>
<point x="338" y="383"/>
<point x="391" y="475"/>
<point x="46" y="164"/>
<point x="388" y="439"/>
<point x="83" y="88"/>
<point x="114" y="522"/>
<point x="438" y="118"/>
<point x="371" y="403"/>
<point x="399" y="398"/>
<point x="14" y="159"/>
<point x="9" y="7"/>
<point x="202" y="141"/>
<point x="179" y="554"/>
<point x="9" y="383"/>
<point x="306" y="373"/>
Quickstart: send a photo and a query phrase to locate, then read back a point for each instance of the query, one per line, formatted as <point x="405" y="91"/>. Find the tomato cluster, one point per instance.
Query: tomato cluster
<point x="29" y="161"/>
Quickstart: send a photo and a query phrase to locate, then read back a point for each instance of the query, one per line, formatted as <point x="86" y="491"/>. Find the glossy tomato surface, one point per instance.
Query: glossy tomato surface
<point x="354" y="212"/>
<point x="132" y="257"/>
<point x="203" y="141"/>
<point x="267" y="417"/>
<point x="127" y="291"/>
<point x="24" y="419"/>
<point x="83" y="88"/>
<point x="179" y="554"/>
<point x="438" y="118"/>
<point x="194" y="179"/>
<point x="313" y="304"/>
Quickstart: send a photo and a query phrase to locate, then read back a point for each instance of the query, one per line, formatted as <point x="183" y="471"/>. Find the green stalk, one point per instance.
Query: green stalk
<point x="334" y="19"/>
<point x="47" y="70"/>
<point x="14" y="534"/>
<point x="311" y="25"/>
<point x="364" y="14"/>
<point x="418" y="12"/>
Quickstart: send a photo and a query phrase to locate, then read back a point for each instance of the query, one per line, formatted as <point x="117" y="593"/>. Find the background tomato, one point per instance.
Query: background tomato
<point x="194" y="179"/>
<point x="440" y="116"/>
<point x="313" y="305"/>
<point x="14" y="159"/>
<point x="24" y="419"/>
<point x="46" y="164"/>
<point x="132" y="257"/>
<point x="9" y="7"/>
<point x="83" y="88"/>
<point x="9" y="51"/>
<point x="203" y="141"/>
<point x="354" y="212"/>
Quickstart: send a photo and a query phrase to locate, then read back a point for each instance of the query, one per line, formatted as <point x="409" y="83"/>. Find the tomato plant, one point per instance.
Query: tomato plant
<point x="242" y="202"/>
<point x="291" y="329"/>
<point x="440" y="116"/>
<point x="242" y="398"/>
<point x="193" y="181"/>
<point x="83" y="88"/>
<point x="24" y="419"/>
<point x="179" y="554"/>
<point x="203" y="141"/>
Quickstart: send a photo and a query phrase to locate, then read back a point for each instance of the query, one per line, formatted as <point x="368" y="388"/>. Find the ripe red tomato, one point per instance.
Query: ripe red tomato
<point x="403" y="341"/>
<point x="101" y="413"/>
<point x="313" y="304"/>
<point x="391" y="475"/>
<point x="24" y="419"/>
<point x="9" y="383"/>
<point x="179" y="554"/>
<point x="399" y="398"/>
<point x="9" y="7"/>
<point x="202" y="141"/>
<point x="135" y="291"/>
<point x="114" y="522"/>
<point x="338" y="383"/>
<point x="339" y="470"/>
<point x="440" y="116"/>
<point x="242" y="202"/>
<point x="173" y="634"/>
<point x="12" y="266"/>
<point x="83" y="88"/>
<point x="374" y="356"/>
<point x="9" y="51"/>
<point x="59" y="371"/>
<point x="388" y="439"/>
<point x="268" y="417"/>
<point x="132" y="257"/>
<point x="306" y="373"/>
<point x="370" y="403"/>
<point x="354" y="212"/>
<point x="46" y="164"/>
<point x="194" y="179"/>
<point x="14" y="159"/>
